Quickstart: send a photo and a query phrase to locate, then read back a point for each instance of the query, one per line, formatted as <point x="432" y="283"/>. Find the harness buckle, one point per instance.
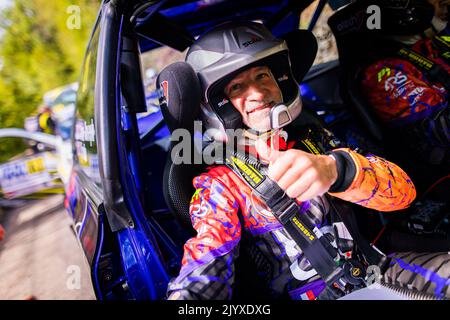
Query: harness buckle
<point x="287" y="211"/>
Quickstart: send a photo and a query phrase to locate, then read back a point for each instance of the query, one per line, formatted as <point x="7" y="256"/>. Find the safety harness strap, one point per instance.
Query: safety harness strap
<point x="442" y="43"/>
<point x="437" y="125"/>
<point x="371" y="254"/>
<point x="317" y="249"/>
<point x="433" y="70"/>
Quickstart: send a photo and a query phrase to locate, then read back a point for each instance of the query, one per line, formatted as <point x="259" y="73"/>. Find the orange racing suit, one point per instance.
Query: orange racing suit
<point x="207" y="270"/>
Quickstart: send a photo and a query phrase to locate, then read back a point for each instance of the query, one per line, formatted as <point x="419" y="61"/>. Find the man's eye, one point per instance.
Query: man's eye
<point x="235" y="87"/>
<point x="262" y="75"/>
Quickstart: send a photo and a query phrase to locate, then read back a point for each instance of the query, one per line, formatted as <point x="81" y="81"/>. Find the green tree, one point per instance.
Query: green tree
<point x="38" y="52"/>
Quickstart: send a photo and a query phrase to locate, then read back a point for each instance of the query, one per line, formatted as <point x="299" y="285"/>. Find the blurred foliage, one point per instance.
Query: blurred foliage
<point x="38" y="52"/>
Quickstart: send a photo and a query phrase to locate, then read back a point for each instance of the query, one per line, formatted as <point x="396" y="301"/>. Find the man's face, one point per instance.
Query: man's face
<point x="253" y="93"/>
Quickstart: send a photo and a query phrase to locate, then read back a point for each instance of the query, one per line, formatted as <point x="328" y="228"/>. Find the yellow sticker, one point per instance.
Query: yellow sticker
<point x="35" y="165"/>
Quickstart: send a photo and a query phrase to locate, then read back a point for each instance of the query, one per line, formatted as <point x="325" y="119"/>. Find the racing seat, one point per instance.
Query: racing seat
<point x="359" y="47"/>
<point x="354" y="48"/>
<point x="180" y="108"/>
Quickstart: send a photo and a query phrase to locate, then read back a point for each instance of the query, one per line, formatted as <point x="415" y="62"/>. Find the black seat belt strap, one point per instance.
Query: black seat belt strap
<point x="434" y="71"/>
<point x="316" y="248"/>
<point x="372" y="255"/>
<point x="442" y="43"/>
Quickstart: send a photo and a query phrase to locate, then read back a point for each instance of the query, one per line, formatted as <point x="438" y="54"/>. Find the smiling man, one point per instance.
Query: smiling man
<point x="247" y="83"/>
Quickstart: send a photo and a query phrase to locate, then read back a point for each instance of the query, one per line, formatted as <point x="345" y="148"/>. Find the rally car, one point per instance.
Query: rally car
<point x="31" y="175"/>
<point x="62" y="104"/>
<point x="127" y="204"/>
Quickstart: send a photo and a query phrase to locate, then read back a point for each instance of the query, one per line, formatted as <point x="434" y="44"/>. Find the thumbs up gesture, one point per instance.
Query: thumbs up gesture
<point x="301" y="175"/>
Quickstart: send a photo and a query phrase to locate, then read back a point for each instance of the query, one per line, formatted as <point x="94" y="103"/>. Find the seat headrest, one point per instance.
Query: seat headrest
<point x="396" y="17"/>
<point x="179" y="95"/>
<point x="302" y="46"/>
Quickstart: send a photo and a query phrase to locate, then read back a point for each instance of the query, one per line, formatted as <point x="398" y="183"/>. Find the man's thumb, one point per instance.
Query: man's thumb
<point x="265" y="152"/>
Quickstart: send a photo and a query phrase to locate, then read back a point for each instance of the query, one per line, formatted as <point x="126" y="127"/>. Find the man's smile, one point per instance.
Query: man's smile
<point x="260" y="107"/>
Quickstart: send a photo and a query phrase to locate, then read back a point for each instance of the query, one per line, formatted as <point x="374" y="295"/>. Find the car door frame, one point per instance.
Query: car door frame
<point x="144" y="272"/>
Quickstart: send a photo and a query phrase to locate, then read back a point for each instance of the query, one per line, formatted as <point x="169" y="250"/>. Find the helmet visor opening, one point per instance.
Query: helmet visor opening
<point x="278" y="64"/>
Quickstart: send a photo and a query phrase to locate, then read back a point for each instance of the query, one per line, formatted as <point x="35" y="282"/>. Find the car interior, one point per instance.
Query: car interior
<point x="358" y="47"/>
<point x="154" y="26"/>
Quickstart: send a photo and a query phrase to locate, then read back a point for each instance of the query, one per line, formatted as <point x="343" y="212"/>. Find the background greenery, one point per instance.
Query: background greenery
<point x="38" y="52"/>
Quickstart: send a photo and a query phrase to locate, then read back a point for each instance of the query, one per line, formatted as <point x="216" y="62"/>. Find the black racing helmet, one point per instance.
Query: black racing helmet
<point x="225" y="51"/>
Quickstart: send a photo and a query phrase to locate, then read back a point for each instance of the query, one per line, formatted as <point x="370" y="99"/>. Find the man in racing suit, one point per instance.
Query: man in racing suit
<point x="306" y="161"/>
<point x="411" y="101"/>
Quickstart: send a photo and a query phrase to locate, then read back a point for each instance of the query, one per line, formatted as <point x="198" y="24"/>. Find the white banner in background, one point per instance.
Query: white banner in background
<point x="28" y="175"/>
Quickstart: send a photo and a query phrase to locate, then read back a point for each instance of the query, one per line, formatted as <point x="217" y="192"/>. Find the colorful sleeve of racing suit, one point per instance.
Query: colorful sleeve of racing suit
<point x="363" y="178"/>
<point x="208" y="263"/>
<point x="371" y="181"/>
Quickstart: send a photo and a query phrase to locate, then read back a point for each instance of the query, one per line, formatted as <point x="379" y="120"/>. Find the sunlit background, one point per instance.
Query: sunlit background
<point x="38" y="52"/>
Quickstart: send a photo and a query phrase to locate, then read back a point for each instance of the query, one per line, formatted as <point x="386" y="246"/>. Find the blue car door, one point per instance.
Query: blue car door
<point x="115" y="236"/>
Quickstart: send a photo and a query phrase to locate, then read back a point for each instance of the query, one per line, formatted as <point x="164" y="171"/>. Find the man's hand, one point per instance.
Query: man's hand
<point x="301" y="175"/>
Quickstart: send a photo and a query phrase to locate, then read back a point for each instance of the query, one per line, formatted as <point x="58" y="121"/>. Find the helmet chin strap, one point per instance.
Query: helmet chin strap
<point x="279" y="116"/>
